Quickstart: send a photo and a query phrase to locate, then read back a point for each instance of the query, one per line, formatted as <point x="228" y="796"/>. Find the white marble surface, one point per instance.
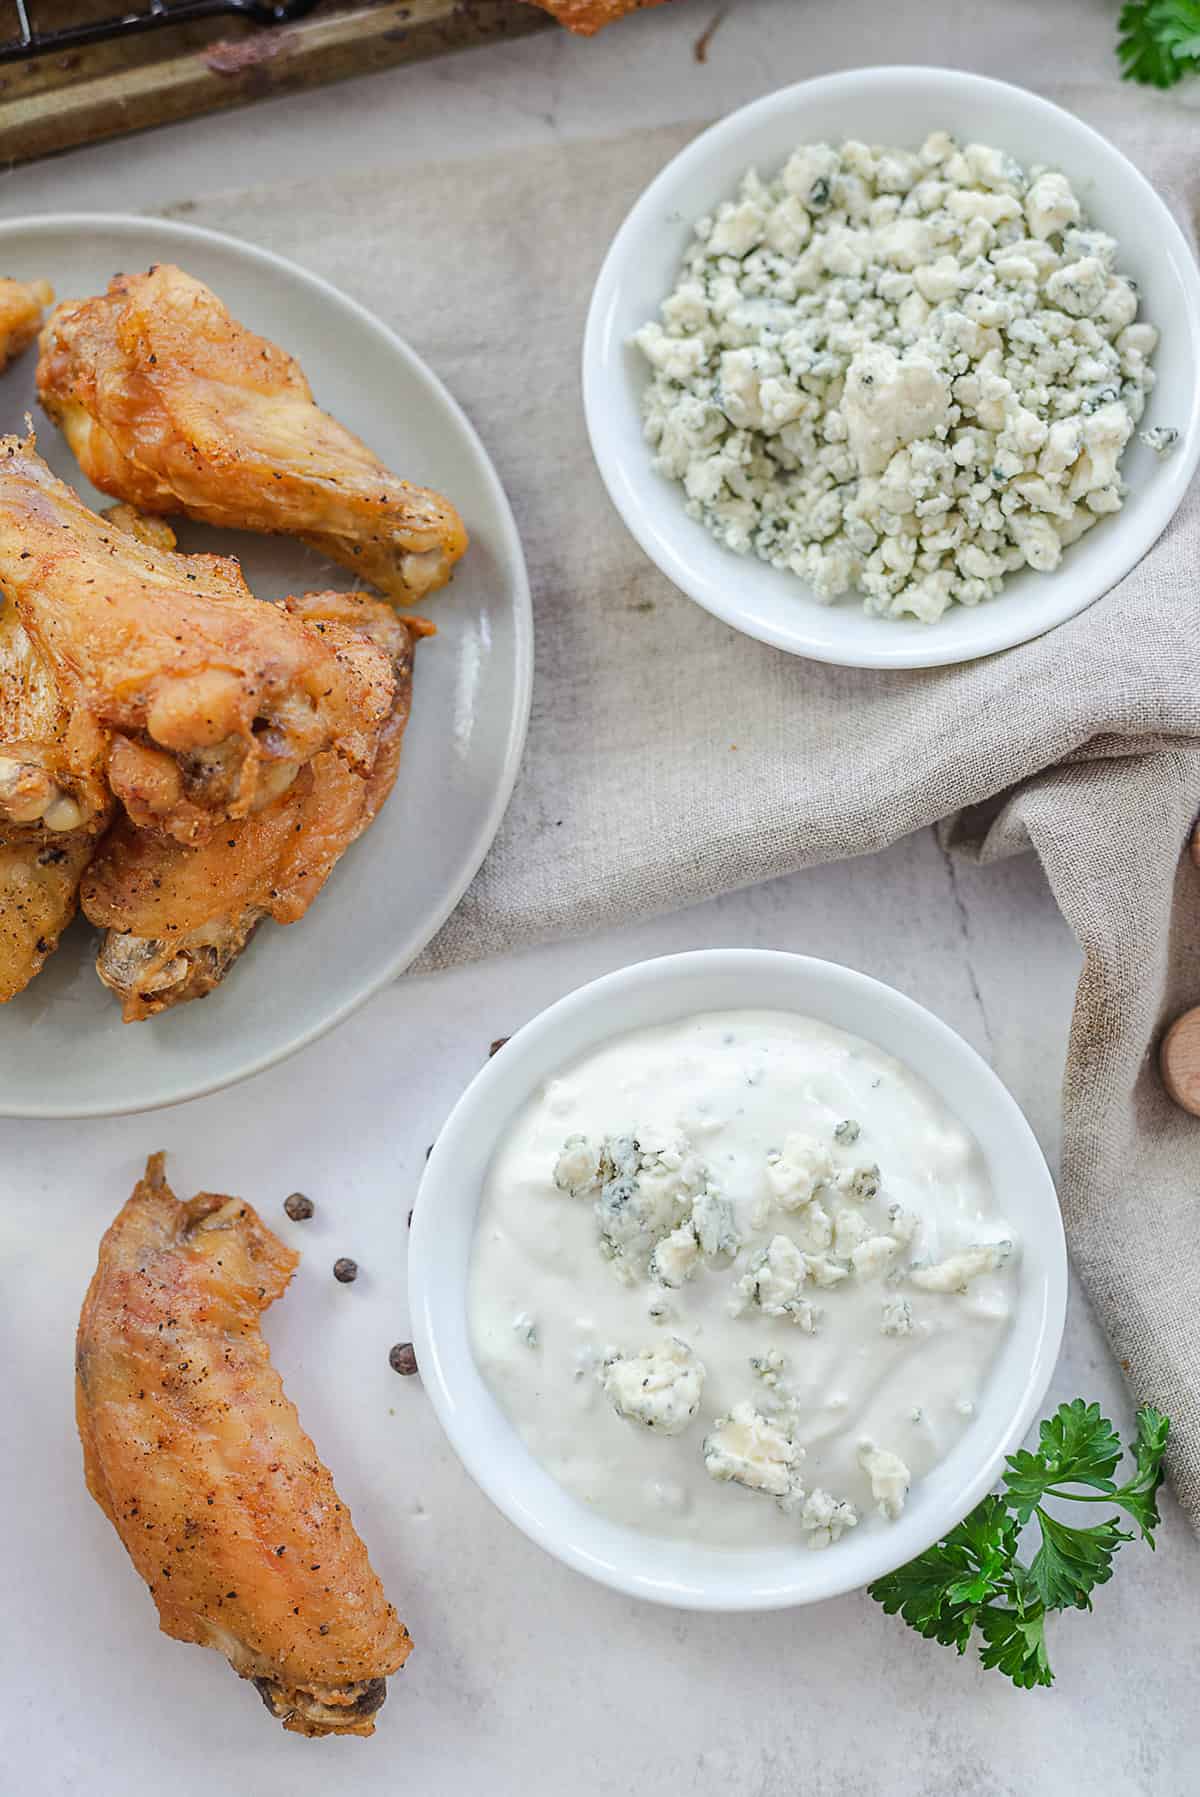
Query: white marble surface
<point x="525" y="1678"/>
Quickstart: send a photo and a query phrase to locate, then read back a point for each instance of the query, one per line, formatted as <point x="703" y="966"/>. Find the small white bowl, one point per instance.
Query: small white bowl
<point x="889" y="106"/>
<point x="683" y="1573"/>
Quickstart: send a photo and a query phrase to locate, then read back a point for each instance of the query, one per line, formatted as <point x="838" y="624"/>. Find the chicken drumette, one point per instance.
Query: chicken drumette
<point x="198" y="1459"/>
<point x="213" y="700"/>
<point x="171" y="404"/>
<point x="176" y="918"/>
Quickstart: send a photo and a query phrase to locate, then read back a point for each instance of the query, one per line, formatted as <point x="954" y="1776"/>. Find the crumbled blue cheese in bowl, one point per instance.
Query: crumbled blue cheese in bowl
<point x="739" y="1279"/>
<point x="901" y="374"/>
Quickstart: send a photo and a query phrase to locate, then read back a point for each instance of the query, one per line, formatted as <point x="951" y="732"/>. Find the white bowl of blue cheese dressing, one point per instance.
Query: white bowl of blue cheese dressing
<point x="734" y="1277"/>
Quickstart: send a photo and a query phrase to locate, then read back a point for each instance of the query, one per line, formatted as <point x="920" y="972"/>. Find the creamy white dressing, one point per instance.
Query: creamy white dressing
<point x="907" y="1298"/>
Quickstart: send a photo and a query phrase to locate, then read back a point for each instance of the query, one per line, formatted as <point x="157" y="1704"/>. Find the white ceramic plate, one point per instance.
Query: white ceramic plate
<point x="890" y="106"/>
<point x="63" y="1048"/>
<point x="679" y="1572"/>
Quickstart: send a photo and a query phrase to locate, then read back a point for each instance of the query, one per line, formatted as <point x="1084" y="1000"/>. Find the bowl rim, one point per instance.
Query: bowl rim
<point x="465" y="1424"/>
<point x="627" y="488"/>
<point x="409" y="944"/>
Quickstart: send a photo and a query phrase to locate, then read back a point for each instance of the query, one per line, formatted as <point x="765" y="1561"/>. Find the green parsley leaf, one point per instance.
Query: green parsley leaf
<point x="1076" y="1446"/>
<point x="986" y="1541"/>
<point x="1159" y="40"/>
<point x="973" y="1579"/>
<point x="1139" y="1497"/>
<point x="940" y="1591"/>
<point x="920" y="1592"/>
<point x="1070" y="1563"/>
<point x="1014" y="1641"/>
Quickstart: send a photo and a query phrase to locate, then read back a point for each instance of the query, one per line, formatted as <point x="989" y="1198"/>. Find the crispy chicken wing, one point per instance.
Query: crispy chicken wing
<point x="199" y="1461"/>
<point x="171" y="404"/>
<point x="53" y="804"/>
<point x="586" y="17"/>
<point x="214" y="700"/>
<point x="22" y="305"/>
<point x="177" y="918"/>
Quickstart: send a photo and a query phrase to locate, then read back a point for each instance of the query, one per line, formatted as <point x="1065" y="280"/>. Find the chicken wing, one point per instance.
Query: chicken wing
<point x="22" y="306"/>
<point x="198" y="1459"/>
<point x="171" y="404"/>
<point x="214" y="700"/>
<point x="176" y="918"/>
<point x="586" y="17"/>
<point x="53" y="804"/>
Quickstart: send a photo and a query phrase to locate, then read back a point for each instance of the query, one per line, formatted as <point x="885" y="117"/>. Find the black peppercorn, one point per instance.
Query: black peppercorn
<point x="298" y="1207"/>
<point x="402" y="1359"/>
<point x="345" y="1271"/>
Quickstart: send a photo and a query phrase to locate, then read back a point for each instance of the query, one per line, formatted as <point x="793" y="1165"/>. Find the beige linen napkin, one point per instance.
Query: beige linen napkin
<point x="670" y="758"/>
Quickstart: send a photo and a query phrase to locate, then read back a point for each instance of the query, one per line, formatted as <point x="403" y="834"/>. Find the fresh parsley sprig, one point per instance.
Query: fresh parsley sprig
<point x="1159" y="40"/>
<point x="973" y="1580"/>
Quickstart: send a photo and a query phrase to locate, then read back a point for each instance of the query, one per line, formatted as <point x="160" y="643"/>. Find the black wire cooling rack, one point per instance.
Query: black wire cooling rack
<point x="35" y="38"/>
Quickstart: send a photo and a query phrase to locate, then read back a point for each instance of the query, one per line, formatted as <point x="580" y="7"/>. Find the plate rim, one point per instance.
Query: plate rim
<point x="138" y="224"/>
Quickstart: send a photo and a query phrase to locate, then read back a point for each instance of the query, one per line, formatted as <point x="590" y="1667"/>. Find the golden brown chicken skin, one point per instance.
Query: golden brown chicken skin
<point x="154" y="531"/>
<point x="39" y="886"/>
<point x="22" y="308"/>
<point x="54" y="797"/>
<point x="213" y="699"/>
<point x="54" y="804"/>
<point x="52" y="751"/>
<point x="586" y="17"/>
<point x="198" y="1459"/>
<point x="176" y="918"/>
<point x="171" y="404"/>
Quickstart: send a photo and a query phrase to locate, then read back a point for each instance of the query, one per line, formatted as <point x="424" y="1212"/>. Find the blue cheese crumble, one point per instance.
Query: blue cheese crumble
<point x="896" y="1317"/>
<point x="715" y="1225"/>
<point x="956" y="1272"/>
<point x="752" y="1450"/>
<point x="676" y="1257"/>
<point x="770" y="1367"/>
<point x="889" y="1476"/>
<point x="776" y="1279"/>
<point x="825" y="1518"/>
<point x="1162" y="439"/>
<point x="645" y="1191"/>
<point x="660" y="1388"/>
<point x="796" y="1171"/>
<point x="904" y="374"/>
